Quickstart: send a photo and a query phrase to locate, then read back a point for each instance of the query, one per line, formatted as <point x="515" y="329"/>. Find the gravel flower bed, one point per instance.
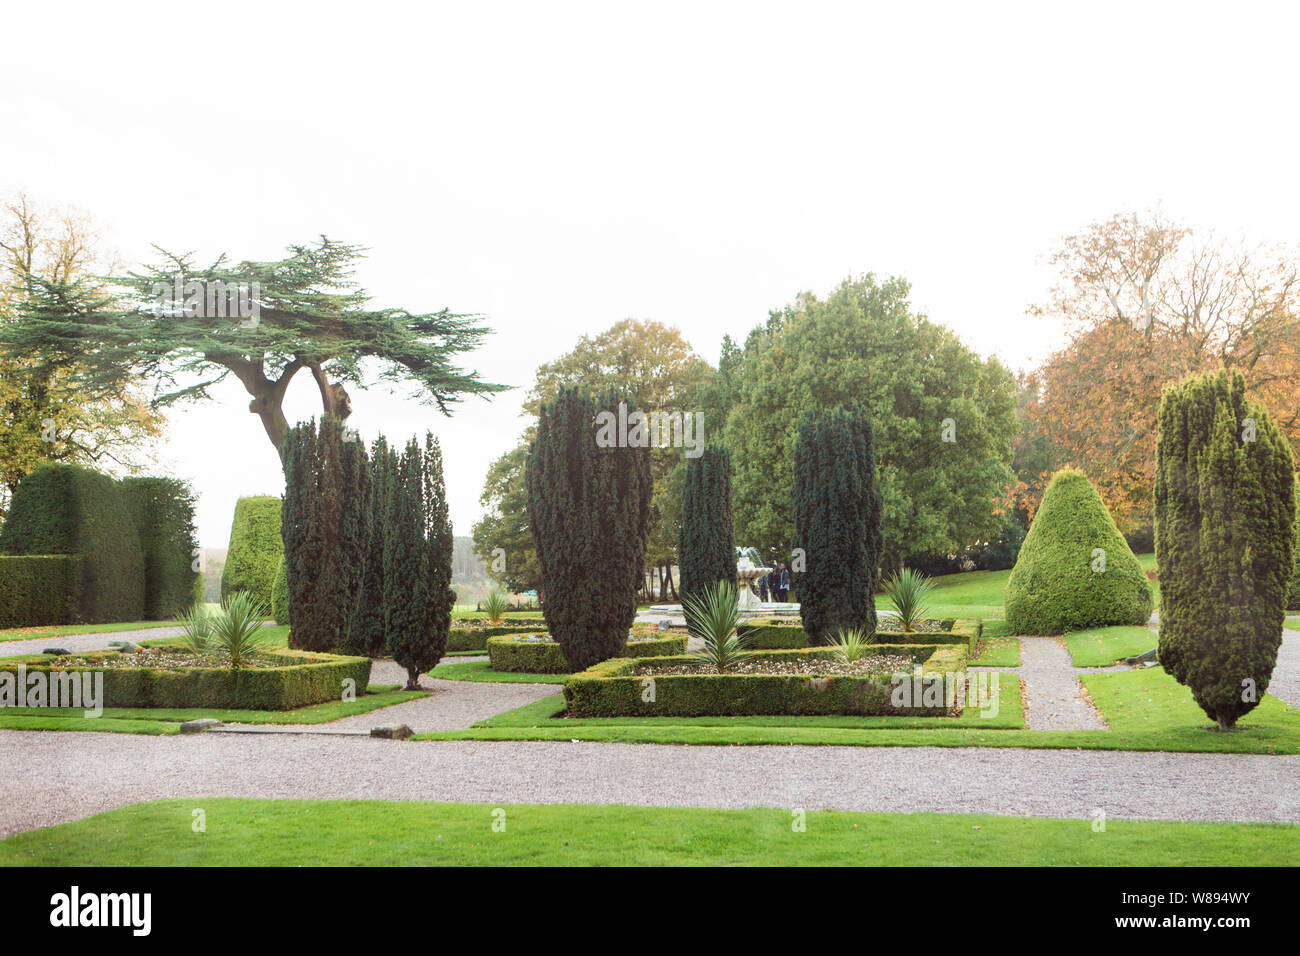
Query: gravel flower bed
<point x="890" y="625"/>
<point x="164" y="659"/>
<point x="803" y="666"/>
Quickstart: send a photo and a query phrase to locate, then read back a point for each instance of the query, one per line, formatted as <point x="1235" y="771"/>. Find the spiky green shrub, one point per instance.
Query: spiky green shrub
<point x="589" y="512"/>
<point x="713" y="614"/>
<point x="255" y="549"/>
<point x="908" y="593"/>
<point x="280" y="596"/>
<point x="851" y="644"/>
<point x="1225" y="541"/>
<point x="69" y="510"/>
<point x="706" y="548"/>
<point x="837" y="510"/>
<point x="197" y="625"/>
<point x="237" y="630"/>
<point x="162" y="510"/>
<point x="495" y="606"/>
<point x="1075" y="570"/>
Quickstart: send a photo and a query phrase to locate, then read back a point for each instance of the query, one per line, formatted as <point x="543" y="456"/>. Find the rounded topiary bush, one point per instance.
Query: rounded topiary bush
<point x="256" y="549"/>
<point x="280" y="595"/>
<point x="70" y="510"/>
<point x="1075" y="569"/>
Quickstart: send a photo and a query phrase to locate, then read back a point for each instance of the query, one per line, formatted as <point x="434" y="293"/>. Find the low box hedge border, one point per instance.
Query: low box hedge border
<point x="508" y="653"/>
<point x="961" y="631"/>
<point x="770" y="635"/>
<point x="34" y="589"/>
<point x="615" y="688"/>
<point x="475" y="638"/>
<point x="307" y="678"/>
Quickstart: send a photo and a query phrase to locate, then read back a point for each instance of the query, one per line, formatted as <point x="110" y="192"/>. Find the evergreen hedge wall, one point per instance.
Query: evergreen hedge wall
<point x="34" y="589"/>
<point x="162" y="510"/>
<point x="68" y="510"/>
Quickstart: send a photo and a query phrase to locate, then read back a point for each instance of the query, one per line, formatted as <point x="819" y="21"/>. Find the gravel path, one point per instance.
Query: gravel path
<point x="1285" y="683"/>
<point x="452" y="705"/>
<point x="1052" y="689"/>
<point x="79" y="643"/>
<point x="55" y="777"/>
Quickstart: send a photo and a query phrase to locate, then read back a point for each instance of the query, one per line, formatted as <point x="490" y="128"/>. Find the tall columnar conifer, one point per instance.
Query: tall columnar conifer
<point x="310" y="522"/>
<point x="837" y="512"/>
<point x="1225" y="539"/>
<point x="589" y="512"/>
<point x="366" y="633"/>
<point x="706" y="551"/>
<point x="440" y="545"/>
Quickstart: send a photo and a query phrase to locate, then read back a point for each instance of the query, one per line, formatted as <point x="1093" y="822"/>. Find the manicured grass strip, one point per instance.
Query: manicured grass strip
<point x="69" y="630"/>
<point x="998" y="651"/>
<point x="168" y="720"/>
<point x="482" y="671"/>
<point x="1145" y="710"/>
<point x="245" y="832"/>
<point x="1293" y="623"/>
<point x="1103" y="646"/>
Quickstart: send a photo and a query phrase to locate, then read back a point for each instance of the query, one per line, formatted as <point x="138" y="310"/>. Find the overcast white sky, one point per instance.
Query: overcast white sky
<point x="561" y="166"/>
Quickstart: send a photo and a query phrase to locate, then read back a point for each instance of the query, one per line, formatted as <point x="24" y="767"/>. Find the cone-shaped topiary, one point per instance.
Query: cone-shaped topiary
<point x="837" y="512"/>
<point x="1075" y="570"/>
<point x="706" y="550"/>
<point x="1225" y="540"/>
<point x="589" y="487"/>
<point x="255" y="549"/>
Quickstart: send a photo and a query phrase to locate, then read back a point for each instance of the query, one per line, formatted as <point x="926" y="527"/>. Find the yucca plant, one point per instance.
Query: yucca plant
<point x="850" y="644"/>
<point x="712" y="614"/>
<point x="197" y="623"/>
<point x="495" y="606"/>
<point x="907" y="593"/>
<point x="237" y="630"/>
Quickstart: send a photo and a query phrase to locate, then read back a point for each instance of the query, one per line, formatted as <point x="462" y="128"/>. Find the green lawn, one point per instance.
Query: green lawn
<point x="1103" y="646"/>
<point x="246" y="832"/>
<point x="997" y="648"/>
<point x="482" y="671"/>
<point x="159" y="720"/>
<point x="1144" y="709"/>
<point x="68" y="630"/>
<point x="1293" y="623"/>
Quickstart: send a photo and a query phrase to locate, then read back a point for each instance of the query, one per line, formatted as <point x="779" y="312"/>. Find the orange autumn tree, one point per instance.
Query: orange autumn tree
<point x="1146" y="302"/>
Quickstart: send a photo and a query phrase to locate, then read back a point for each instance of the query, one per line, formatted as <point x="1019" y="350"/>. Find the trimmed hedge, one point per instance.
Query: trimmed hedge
<point x="34" y="589"/>
<point x="960" y="631"/>
<point x="765" y="634"/>
<point x="69" y="510"/>
<point x="162" y="510"/>
<point x="475" y="638"/>
<point x="614" y="688"/>
<point x="1056" y="586"/>
<point x="509" y="653"/>
<point x="305" y="679"/>
<point x="769" y="635"/>
<point x="256" y="549"/>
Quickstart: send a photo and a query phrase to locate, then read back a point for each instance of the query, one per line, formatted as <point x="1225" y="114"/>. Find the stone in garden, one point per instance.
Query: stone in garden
<point x="199" y="726"/>
<point x="392" y="732"/>
<point x="61" y="651"/>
